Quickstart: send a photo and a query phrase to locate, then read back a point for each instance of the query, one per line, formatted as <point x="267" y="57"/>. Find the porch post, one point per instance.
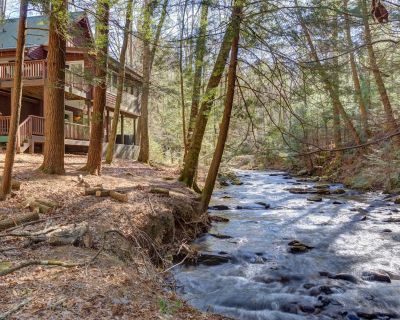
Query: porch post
<point x="134" y="130"/>
<point x="122" y="129"/>
<point x="107" y="124"/>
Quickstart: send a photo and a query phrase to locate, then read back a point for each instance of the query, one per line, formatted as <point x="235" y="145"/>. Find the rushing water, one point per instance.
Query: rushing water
<point x="263" y="280"/>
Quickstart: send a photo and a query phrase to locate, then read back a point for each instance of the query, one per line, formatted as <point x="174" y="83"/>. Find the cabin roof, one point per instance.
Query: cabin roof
<point x="37" y="33"/>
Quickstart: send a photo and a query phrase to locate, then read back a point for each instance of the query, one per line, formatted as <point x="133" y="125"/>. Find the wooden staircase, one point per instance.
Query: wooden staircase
<point x="30" y="127"/>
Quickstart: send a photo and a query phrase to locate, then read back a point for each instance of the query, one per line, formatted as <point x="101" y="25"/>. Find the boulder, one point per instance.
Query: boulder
<point x="219" y="207"/>
<point x="338" y="191"/>
<point x="375" y="276"/>
<point x="264" y="204"/>
<point x="296" y="246"/>
<point x="314" y="199"/>
<point x="218" y="219"/>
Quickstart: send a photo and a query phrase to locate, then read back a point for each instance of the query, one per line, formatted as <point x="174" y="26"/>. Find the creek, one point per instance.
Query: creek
<point x="283" y="256"/>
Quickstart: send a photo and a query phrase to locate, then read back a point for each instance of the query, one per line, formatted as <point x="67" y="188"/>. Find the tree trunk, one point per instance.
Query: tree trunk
<point x="181" y="80"/>
<point x="148" y="59"/>
<point x="120" y="85"/>
<point x="391" y="124"/>
<point x="198" y="70"/>
<point x="337" y="132"/>
<point x="224" y="127"/>
<point x="93" y="165"/>
<point x="16" y="96"/>
<point x="327" y="83"/>
<point x="356" y="81"/>
<point x="192" y="157"/>
<point x="54" y="102"/>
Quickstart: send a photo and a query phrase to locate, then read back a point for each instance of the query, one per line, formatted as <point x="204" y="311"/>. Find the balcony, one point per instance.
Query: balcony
<point x="129" y="102"/>
<point x="35" y="72"/>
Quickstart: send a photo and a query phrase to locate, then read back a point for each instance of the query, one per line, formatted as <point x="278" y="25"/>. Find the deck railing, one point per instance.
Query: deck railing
<point x="4" y="125"/>
<point x="35" y="69"/>
<point x="76" y="131"/>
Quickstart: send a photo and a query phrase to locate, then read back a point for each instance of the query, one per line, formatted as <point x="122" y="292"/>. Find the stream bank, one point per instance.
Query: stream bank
<point x="287" y="248"/>
<point x="122" y="282"/>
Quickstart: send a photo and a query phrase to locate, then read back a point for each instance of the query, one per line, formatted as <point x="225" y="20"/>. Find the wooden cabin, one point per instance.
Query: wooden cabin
<point x="78" y="88"/>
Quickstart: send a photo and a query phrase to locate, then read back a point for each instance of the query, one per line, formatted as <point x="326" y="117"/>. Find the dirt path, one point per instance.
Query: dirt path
<point x="121" y="283"/>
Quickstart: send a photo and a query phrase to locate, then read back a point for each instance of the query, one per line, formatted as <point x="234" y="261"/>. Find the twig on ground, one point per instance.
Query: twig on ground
<point x="14" y="309"/>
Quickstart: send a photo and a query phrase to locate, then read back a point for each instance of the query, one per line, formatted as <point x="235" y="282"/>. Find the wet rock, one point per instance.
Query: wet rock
<point x="323" y="301"/>
<point x="323" y="191"/>
<point x="296" y="246"/>
<point x="313" y="179"/>
<point x="392" y="220"/>
<point x="289" y="308"/>
<point x="307" y="309"/>
<point x="264" y="204"/>
<point x="274" y="174"/>
<point x="303" y="172"/>
<point x="395" y="210"/>
<point x="222" y="252"/>
<point x="376" y="315"/>
<point x="338" y="191"/>
<point x="345" y="277"/>
<point x="325" y="274"/>
<point x="212" y="259"/>
<point x="387" y="231"/>
<point x="226" y="197"/>
<point x="397" y="201"/>
<point x="301" y="190"/>
<point x="352" y="317"/>
<point x="219" y="207"/>
<point x="308" y="285"/>
<point x="220" y="236"/>
<point x="375" y="276"/>
<point x="330" y="289"/>
<point x="337" y="202"/>
<point x="314" y="199"/>
<point x="322" y="186"/>
<point x="218" y="219"/>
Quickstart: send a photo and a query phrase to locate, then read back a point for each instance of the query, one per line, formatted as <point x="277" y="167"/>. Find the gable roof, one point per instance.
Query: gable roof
<point x="38" y="35"/>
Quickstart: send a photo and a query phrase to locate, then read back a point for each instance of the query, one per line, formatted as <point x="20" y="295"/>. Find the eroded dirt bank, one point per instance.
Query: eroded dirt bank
<point x="115" y="278"/>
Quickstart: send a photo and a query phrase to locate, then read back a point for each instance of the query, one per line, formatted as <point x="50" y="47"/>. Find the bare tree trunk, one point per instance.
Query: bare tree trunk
<point x="16" y="97"/>
<point x="224" y="127"/>
<point x="191" y="160"/>
<point x="93" y="165"/>
<point x="327" y="83"/>
<point x="54" y="101"/>
<point x="391" y="124"/>
<point x="120" y="85"/>
<point x="357" y="87"/>
<point x="148" y="59"/>
<point x="182" y="87"/>
<point x="198" y="69"/>
<point x="337" y="132"/>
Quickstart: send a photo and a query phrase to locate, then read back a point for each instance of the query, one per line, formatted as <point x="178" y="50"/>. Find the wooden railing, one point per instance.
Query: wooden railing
<point x="35" y="69"/>
<point x="76" y="131"/>
<point x="4" y="125"/>
<point x="129" y="102"/>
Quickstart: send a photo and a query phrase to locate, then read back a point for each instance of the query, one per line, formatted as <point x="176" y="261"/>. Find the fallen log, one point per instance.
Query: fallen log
<point x="40" y="263"/>
<point x="121" y="197"/>
<point x="92" y="191"/>
<point x="102" y="193"/>
<point x="17" y="220"/>
<point x="160" y="191"/>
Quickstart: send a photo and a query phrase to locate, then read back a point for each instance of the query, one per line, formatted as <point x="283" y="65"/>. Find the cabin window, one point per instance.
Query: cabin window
<point x="74" y="73"/>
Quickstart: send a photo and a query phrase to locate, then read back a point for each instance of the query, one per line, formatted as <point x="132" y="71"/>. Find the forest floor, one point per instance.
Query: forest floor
<point x="116" y="279"/>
